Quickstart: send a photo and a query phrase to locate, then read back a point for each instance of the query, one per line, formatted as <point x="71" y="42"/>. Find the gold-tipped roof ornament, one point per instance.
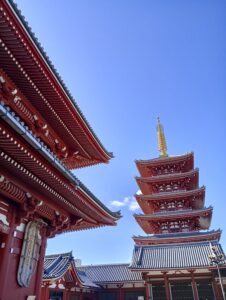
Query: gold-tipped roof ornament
<point x="161" y="139"/>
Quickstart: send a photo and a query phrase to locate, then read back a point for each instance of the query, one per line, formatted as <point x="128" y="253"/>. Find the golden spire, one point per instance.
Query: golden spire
<point x="161" y="139"/>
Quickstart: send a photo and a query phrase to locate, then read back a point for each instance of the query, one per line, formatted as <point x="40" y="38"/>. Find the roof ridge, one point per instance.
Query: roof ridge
<point x="103" y="265"/>
<point x="165" y="157"/>
<point x="58" y="254"/>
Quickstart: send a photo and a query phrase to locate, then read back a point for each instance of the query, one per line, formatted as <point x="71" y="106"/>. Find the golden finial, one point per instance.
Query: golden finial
<point x="161" y="139"/>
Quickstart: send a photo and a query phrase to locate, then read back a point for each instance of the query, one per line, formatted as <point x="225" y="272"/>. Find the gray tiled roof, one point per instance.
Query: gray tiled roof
<point x="56" y="265"/>
<point x="86" y="280"/>
<point x="111" y="273"/>
<point x="187" y="255"/>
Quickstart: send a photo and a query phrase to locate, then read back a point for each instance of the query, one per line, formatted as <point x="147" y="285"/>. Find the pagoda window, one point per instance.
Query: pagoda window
<point x="185" y="226"/>
<point x="166" y="171"/>
<point x="180" y="205"/>
<point x="175" y="187"/>
<point x="171" y="205"/>
<point x="168" y="188"/>
<point x="162" y="206"/>
<point x="161" y="188"/>
<point x="164" y="228"/>
<point x="174" y="225"/>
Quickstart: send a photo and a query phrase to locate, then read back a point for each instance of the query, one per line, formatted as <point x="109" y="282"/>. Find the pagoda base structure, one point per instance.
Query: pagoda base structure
<point x="177" y="265"/>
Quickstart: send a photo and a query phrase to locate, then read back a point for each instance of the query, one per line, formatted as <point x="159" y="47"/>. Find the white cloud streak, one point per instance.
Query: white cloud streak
<point x="129" y="202"/>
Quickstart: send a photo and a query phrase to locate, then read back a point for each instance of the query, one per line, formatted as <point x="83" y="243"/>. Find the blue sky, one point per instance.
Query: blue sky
<point x="126" y="62"/>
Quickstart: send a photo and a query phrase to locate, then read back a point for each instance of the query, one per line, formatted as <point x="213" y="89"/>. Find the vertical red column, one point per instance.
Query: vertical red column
<point x="45" y="292"/>
<point x="194" y="287"/>
<point x="217" y="292"/>
<point x="148" y="290"/>
<point x="167" y="287"/>
<point x="120" y="294"/>
<point x="5" y="265"/>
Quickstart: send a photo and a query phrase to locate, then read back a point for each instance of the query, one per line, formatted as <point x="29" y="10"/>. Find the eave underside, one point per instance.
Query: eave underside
<point x="193" y="198"/>
<point x="198" y="219"/>
<point x="24" y="63"/>
<point x="29" y="172"/>
<point x="183" y="181"/>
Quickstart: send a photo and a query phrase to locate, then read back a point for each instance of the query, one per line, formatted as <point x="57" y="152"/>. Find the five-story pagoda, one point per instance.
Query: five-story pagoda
<point x="174" y="257"/>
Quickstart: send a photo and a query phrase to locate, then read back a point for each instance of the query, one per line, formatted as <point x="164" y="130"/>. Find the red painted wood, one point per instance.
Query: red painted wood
<point x="194" y="288"/>
<point x="39" y="271"/>
<point x="167" y="288"/>
<point x="148" y="291"/>
<point x="5" y="259"/>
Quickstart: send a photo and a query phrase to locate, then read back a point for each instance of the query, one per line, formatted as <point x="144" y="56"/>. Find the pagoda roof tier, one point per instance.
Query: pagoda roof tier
<point x="178" y="256"/>
<point x="193" y="219"/>
<point x="163" y="164"/>
<point x="169" y="183"/>
<point x="179" y="237"/>
<point x="23" y="59"/>
<point x="28" y="168"/>
<point x="151" y="203"/>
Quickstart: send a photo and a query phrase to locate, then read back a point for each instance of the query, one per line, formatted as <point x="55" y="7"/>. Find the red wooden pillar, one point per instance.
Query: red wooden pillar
<point x="194" y="287"/>
<point x="45" y="292"/>
<point x="81" y="295"/>
<point x="5" y="265"/>
<point x="217" y="293"/>
<point x="148" y="290"/>
<point x="66" y="294"/>
<point x="40" y="266"/>
<point x="167" y="287"/>
<point x="120" y="294"/>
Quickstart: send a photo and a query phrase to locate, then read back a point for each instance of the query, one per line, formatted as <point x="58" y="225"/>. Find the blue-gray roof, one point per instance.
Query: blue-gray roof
<point x="111" y="273"/>
<point x="86" y="280"/>
<point x="56" y="265"/>
<point x="173" y="256"/>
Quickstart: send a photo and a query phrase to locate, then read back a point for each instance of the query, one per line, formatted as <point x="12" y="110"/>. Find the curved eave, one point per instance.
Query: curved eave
<point x="180" y="238"/>
<point x="147" y="202"/>
<point x="173" y="176"/>
<point x="73" y="193"/>
<point x="113" y="216"/>
<point x="54" y="266"/>
<point x="146" y="183"/>
<point x="176" y="214"/>
<point x="143" y="165"/>
<point x="174" y="195"/>
<point x="149" y="222"/>
<point x="33" y="50"/>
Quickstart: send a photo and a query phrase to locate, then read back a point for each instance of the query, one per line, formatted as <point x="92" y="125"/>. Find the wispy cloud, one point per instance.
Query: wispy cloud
<point x="129" y="202"/>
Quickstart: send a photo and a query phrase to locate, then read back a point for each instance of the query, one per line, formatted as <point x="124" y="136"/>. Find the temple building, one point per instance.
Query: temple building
<point x="43" y="135"/>
<point x="178" y="257"/>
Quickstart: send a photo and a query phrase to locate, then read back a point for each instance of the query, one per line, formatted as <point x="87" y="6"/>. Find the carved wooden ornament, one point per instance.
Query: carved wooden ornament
<point x="30" y="253"/>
